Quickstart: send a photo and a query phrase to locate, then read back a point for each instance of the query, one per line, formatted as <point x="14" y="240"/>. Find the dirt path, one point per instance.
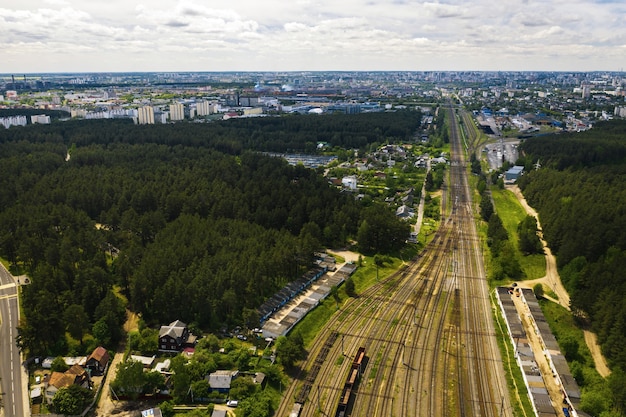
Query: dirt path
<point x="553" y="281"/>
<point x="552" y="278"/>
<point x="348" y="256"/>
<point x="596" y="353"/>
<point x="106" y="405"/>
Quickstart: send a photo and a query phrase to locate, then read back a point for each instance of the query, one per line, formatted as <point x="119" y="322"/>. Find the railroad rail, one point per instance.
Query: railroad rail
<point x="427" y="331"/>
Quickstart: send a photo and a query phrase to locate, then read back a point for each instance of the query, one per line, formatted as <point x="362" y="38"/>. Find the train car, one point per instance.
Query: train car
<point x="358" y="359"/>
<point x="354" y="374"/>
<point x="351" y="381"/>
<point x="345" y="396"/>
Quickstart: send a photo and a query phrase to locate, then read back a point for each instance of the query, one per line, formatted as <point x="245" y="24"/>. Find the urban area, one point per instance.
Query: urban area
<point x="520" y="101"/>
<point x="487" y="113"/>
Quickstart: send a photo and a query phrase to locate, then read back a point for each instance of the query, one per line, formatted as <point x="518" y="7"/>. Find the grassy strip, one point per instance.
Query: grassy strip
<point x="511" y="212"/>
<point x="6" y="263"/>
<point x="562" y="325"/>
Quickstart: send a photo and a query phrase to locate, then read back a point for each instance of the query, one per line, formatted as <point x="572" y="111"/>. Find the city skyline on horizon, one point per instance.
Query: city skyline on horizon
<point x="70" y="36"/>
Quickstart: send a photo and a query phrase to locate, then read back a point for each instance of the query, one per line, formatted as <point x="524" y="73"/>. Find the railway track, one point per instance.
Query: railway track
<point x="427" y="331"/>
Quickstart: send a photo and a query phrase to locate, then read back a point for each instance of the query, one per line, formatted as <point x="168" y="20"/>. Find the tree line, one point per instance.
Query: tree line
<point x="290" y="133"/>
<point x="165" y="220"/>
<point x="580" y="195"/>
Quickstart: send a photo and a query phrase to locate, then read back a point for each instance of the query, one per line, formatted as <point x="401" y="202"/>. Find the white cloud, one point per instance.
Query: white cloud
<point x="443" y="10"/>
<point x="66" y="35"/>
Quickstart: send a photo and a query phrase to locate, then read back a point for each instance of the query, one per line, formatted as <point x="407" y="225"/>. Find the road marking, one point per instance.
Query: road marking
<point x="6" y="297"/>
<point x="12" y="285"/>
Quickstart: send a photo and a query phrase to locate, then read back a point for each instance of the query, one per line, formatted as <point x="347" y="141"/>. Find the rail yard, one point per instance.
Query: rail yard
<point x="427" y="331"/>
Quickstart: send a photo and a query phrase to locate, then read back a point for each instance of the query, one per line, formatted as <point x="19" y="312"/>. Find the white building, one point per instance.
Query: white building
<point x="204" y="108"/>
<point x="349" y="182"/>
<point x="40" y="118"/>
<point x="177" y="112"/>
<point x="146" y="115"/>
<point x="586" y="91"/>
<point x="81" y="113"/>
<point x="13" y="121"/>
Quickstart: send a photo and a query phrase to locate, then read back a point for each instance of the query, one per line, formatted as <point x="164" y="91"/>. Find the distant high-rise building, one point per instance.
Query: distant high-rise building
<point x="161" y="117"/>
<point x="13" y="121"/>
<point x="248" y="101"/>
<point x="40" y="118"/>
<point x="177" y="111"/>
<point x="82" y="113"/>
<point x="586" y="91"/>
<point x="204" y="108"/>
<point x="145" y="115"/>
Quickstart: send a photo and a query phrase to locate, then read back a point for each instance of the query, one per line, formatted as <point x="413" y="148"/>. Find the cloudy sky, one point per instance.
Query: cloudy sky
<point x="285" y="35"/>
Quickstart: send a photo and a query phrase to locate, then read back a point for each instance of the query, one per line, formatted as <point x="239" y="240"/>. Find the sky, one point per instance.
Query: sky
<point x="311" y="35"/>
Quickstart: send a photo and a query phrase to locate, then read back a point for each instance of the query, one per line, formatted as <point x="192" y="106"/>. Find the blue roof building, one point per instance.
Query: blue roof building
<point x="514" y="173"/>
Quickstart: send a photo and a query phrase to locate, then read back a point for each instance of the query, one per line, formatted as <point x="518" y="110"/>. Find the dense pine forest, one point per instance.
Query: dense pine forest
<point x="187" y="221"/>
<point x="580" y="195"/>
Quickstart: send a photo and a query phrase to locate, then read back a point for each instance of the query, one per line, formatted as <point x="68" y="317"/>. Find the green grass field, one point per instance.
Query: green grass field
<point x="511" y="212"/>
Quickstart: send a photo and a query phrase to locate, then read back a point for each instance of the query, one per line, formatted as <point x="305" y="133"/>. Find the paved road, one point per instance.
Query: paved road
<point x="12" y="382"/>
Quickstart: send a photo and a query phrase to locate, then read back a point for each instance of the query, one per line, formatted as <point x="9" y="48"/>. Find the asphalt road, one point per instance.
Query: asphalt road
<point x="13" y="392"/>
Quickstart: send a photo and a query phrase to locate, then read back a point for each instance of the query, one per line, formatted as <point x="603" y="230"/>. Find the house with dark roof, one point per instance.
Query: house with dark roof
<point x="175" y="337"/>
<point x="98" y="361"/>
<point x="404" y="212"/>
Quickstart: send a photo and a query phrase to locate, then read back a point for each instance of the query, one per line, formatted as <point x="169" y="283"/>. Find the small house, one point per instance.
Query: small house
<point x="98" y="361"/>
<point x="35" y="395"/>
<point x="220" y="380"/>
<point x="152" y="412"/>
<point x="175" y="337"/>
<point x="76" y="375"/>
<point x="349" y="182"/>
<point x="146" y="361"/>
<point x="163" y="367"/>
<point x="404" y="212"/>
<point x="259" y="378"/>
